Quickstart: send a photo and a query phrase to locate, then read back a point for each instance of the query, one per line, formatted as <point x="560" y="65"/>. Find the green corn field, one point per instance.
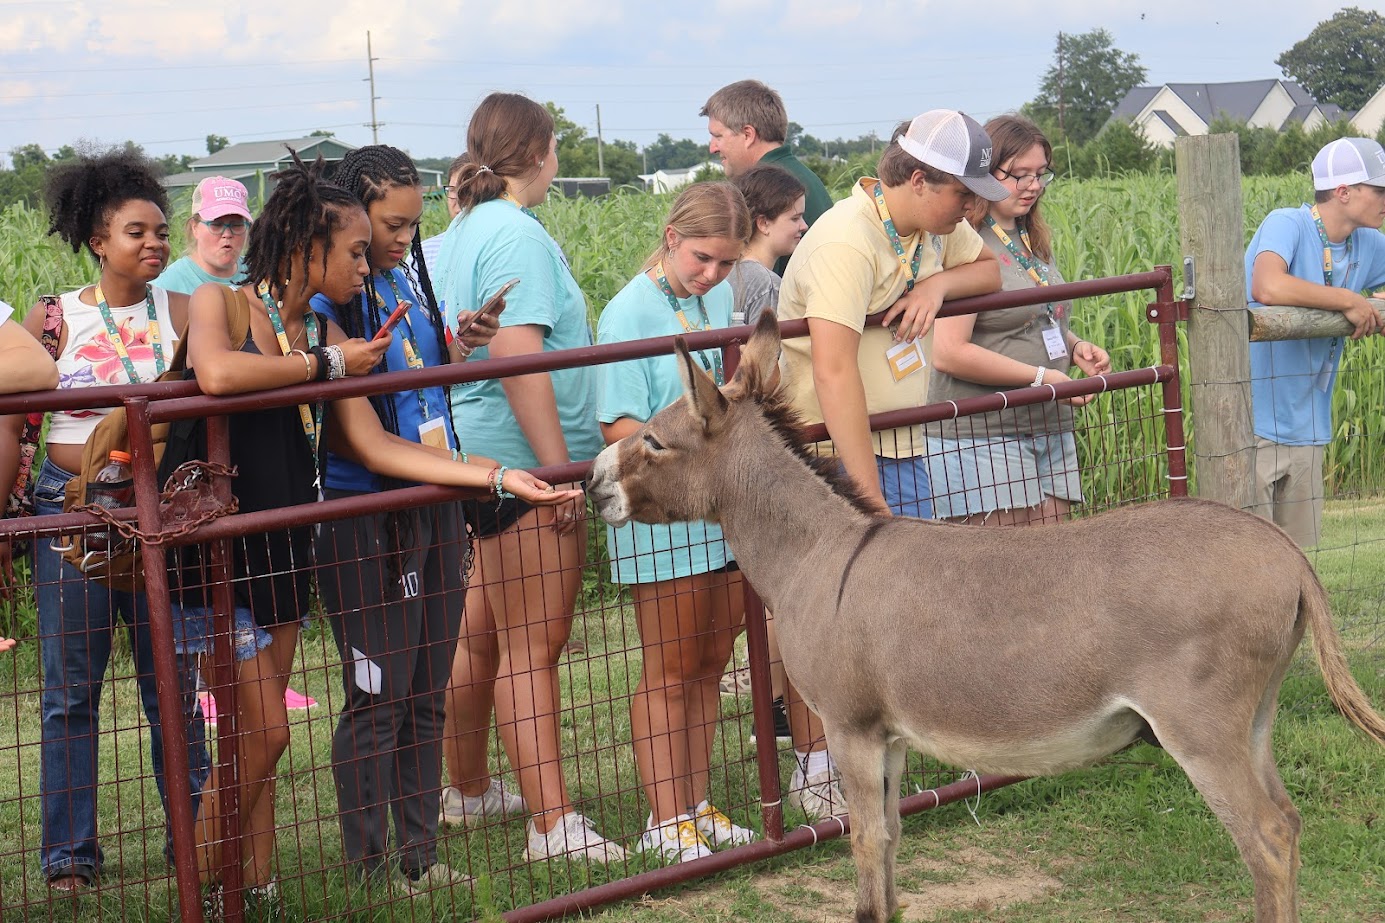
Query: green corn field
<point x="1102" y="227"/>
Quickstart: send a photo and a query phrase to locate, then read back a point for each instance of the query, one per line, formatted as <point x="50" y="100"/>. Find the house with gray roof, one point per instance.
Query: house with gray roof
<point x="251" y="160"/>
<point x="1173" y="110"/>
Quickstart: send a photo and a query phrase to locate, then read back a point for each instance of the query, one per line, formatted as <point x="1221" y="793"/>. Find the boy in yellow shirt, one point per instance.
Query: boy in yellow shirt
<point x="897" y="245"/>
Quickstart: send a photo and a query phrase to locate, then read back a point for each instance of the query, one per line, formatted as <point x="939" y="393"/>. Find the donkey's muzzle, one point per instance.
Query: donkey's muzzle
<point x="603" y="489"/>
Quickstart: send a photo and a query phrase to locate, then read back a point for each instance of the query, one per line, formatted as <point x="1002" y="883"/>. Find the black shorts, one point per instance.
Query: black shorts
<point x="487" y="518"/>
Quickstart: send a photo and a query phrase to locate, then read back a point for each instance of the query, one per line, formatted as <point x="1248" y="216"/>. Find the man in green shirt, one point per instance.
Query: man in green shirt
<point x="748" y="125"/>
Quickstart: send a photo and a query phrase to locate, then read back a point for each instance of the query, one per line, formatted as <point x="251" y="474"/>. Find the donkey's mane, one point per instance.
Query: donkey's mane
<point x="789" y="426"/>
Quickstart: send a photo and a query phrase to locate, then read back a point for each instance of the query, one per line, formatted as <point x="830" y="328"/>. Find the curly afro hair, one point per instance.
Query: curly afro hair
<point x="81" y="196"/>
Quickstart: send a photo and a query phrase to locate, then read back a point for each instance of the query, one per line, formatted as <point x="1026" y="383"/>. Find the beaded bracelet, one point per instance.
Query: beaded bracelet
<point x="336" y="362"/>
<point x="500" y="492"/>
<point x="459" y="455"/>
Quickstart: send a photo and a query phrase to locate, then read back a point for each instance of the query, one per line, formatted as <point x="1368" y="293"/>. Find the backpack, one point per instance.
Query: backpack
<point x="119" y="566"/>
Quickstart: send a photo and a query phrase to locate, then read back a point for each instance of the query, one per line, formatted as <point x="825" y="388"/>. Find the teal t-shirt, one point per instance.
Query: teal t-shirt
<point x="482" y="250"/>
<point x="184" y="275"/>
<point x="638" y="389"/>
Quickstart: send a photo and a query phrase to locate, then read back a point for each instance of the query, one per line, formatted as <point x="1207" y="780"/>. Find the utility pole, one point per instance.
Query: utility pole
<point x="1061" y="88"/>
<point x="370" y="60"/>
<point x="600" y="155"/>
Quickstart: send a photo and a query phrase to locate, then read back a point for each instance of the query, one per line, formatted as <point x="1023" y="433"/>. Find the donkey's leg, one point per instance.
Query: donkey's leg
<point x="1262" y="752"/>
<point x="1225" y="768"/>
<point x="895" y="754"/>
<point x="860" y="757"/>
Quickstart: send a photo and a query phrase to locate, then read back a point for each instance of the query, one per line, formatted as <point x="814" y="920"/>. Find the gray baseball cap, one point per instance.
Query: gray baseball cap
<point x="1348" y="161"/>
<point x="955" y="143"/>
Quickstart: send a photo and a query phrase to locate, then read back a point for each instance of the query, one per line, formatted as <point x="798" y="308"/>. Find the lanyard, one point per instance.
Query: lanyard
<point x="1036" y="269"/>
<point x="312" y="427"/>
<point x="677" y="306"/>
<point x="909" y="263"/>
<point x="516" y="203"/>
<point x="118" y="341"/>
<point x="412" y="355"/>
<point x="1327" y="251"/>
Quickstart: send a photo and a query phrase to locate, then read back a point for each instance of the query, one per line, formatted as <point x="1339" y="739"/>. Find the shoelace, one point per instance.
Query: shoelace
<point x="688" y="835"/>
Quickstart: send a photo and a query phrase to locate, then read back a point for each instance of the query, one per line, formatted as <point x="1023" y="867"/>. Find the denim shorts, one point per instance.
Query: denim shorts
<point x="248" y="639"/>
<point x="904" y="482"/>
<point x="979" y="476"/>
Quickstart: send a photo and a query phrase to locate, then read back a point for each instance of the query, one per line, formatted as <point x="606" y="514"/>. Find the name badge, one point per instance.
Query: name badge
<point x="905" y="359"/>
<point x="433" y="433"/>
<point x="1054" y="342"/>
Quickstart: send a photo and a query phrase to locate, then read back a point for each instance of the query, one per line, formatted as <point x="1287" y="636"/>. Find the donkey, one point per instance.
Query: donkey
<point x="1047" y="648"/>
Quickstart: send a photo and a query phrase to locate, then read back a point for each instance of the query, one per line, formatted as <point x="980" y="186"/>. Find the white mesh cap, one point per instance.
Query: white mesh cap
<point x="1348" y="161"/>
<point x="955" y="143"/>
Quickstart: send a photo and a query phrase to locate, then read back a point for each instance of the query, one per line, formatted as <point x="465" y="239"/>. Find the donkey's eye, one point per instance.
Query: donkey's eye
<point x="653" y="443"/>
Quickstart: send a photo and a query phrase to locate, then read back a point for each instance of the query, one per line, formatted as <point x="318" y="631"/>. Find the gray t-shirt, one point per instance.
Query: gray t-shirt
<point x="1018" y="334"/>
<point x="756" y="288"/>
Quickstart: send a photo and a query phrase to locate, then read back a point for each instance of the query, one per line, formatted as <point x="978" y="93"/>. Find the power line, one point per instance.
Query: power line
<point x="204" y="110"/>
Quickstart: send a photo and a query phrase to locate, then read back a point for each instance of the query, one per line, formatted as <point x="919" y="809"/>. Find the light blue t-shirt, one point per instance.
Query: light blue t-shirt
<point x="413" y="407"/>
<point x="638" y="389"/>
<point x="1291" y="380"/>
<point x="184" y="275"/>
<point x="482" y="250"/>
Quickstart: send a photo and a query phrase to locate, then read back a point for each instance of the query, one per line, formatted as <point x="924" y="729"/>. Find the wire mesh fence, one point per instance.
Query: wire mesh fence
<point x="410" y="723"/>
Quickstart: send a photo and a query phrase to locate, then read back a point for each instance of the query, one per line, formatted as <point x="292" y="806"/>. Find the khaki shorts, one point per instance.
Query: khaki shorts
<point x="1289" y="488"/>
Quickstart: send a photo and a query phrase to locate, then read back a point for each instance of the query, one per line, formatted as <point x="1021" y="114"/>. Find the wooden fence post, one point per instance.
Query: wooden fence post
<point x="1212" y="230"/>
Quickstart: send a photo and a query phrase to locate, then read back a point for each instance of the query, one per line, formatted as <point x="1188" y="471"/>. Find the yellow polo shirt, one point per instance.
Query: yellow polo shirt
<point x="846" y="270"/>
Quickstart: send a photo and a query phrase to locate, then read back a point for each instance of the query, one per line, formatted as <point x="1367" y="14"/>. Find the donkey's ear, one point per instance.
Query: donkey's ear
<point x="704" y="397"/>
<point x="757" y="375"/>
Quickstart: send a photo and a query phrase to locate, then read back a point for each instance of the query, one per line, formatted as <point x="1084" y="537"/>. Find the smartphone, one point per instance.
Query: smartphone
<point x="387" y="329"/>
<point x="493" y="306"/>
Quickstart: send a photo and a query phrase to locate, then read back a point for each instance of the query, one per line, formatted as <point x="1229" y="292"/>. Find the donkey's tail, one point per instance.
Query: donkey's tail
<point x="1345" y="692"/>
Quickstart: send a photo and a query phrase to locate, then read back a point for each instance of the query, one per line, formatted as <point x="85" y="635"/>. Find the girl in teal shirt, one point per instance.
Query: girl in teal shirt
<point x="519" y="617"/>
<point x="687" y="591"/>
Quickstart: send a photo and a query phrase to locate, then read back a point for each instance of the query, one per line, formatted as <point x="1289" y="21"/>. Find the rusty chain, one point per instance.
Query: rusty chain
<point x="186" y="499"/>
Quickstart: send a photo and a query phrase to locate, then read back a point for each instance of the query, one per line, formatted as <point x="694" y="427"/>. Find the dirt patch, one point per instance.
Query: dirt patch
<point x="968" y="879"/>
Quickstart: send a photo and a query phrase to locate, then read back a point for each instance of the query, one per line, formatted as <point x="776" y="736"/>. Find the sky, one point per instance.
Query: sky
<point x="167" y="74"/>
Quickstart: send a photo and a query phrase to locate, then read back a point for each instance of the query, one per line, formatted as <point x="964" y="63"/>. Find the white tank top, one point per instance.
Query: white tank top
<point x="88" y="359"/>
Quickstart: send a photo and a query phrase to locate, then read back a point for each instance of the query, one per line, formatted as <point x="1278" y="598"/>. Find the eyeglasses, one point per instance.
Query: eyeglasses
<point x="1027" y="179"/>
<point x="234" y="228"/>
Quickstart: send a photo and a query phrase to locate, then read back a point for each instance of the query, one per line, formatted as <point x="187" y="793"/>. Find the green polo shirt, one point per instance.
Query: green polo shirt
<point x="817" y="199"/>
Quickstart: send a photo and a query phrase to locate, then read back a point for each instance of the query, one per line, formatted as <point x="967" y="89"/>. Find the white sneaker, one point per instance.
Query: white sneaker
<point x="494" y="803"/>
<point x="676" y="840"/>
<point x="572" y="836"/>
<point x="436" y="875"/>
<point x="718" y="830"/>
<point x="819" y="796"/>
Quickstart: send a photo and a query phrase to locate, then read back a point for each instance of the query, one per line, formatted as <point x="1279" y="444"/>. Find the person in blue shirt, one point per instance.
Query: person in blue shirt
<point x="1324" y="256"/>
<point x="393" y="584"/>
<point x="528" y="560"/>
<point x="685" y="584"/>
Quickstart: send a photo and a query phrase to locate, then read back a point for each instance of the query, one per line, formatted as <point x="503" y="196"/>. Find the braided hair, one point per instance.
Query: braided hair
<point x="369" y="173"/>
<point x="81" y="196"/>
<point x="303" y="210"/>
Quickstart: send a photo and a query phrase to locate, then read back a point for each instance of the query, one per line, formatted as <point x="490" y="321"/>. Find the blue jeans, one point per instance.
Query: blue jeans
<point x="76" y="621"/>
<point x="904" y="482"/>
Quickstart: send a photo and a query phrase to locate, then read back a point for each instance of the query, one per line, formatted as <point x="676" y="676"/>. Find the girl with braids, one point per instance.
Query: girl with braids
<point x="311" y="238"/>
<point x="119" y="331"/>
<point x="686" y="587"/>
<point x="529" y="561"/>
<point x="393" y="584"/>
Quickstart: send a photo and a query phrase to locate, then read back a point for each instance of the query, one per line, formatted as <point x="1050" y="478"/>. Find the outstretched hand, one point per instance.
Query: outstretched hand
<point x="534" y="491"/>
